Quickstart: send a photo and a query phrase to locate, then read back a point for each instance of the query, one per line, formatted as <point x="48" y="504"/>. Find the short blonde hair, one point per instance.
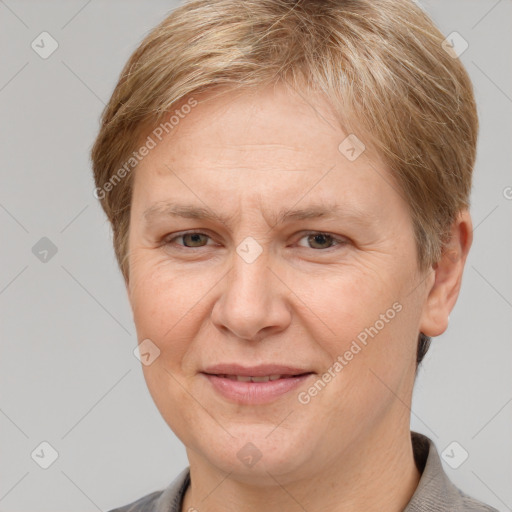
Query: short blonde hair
<point x="381" y="64"/>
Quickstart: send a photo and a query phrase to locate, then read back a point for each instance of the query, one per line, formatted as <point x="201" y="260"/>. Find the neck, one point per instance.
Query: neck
<point x="380" y="474"/>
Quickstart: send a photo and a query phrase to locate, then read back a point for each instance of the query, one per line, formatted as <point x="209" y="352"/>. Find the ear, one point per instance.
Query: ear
<point x="444" y="291"/>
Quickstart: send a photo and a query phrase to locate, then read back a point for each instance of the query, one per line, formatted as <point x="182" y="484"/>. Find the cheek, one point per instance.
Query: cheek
<point x="345" y="303"/>
<point x="369" y="326"/>
<point x="156" y="291"/>
<point x="373" y="363"/>
<point x="167" y="305"/>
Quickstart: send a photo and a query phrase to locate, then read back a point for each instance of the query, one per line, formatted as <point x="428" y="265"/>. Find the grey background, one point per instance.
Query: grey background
<point x="67" y="372"/>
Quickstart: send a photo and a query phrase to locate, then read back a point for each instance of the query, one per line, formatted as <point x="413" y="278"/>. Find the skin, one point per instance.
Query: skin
<point x="301" y="302"/>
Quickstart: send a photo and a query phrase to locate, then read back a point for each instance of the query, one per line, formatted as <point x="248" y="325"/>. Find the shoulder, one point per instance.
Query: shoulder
<point x="469" y="504"/>
<point x="145" y="504"/>
<point x="169" y="499"/>
<point x="435" y="491"/>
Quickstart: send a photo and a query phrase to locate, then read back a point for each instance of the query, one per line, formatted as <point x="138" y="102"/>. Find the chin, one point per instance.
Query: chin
<point x="256" y="454"/>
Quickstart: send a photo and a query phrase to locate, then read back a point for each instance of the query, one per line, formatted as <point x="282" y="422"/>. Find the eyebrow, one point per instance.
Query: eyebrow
<point x="328" y="211"/>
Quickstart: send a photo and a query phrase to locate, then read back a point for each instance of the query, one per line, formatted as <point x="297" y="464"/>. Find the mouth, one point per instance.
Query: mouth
<point x="256" y="385"/>
<point x="254" y="378"/>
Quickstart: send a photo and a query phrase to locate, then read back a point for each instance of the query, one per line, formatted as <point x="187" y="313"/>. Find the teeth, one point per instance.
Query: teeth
<point x="240" y="378"/>
<point x="260" y="379"/>
<point x="246" y="378"/>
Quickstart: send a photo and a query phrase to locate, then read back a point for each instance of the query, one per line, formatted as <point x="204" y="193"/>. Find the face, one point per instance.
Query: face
<point x="337" y="295"/>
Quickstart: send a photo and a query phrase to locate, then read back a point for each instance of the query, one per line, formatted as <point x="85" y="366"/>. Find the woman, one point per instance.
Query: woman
<point x="288" y="186"/>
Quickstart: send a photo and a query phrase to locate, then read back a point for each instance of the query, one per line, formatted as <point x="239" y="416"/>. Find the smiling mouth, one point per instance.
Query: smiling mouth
<point x="255" y="389"/>
<point x="263" y="378"/>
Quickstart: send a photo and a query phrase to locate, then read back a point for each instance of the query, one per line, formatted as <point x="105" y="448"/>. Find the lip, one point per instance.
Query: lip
<point x="255" y="392"/>
<point x="255" y="371"/>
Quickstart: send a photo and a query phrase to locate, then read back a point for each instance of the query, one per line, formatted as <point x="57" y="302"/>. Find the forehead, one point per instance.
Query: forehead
<point x="259" y="148"/>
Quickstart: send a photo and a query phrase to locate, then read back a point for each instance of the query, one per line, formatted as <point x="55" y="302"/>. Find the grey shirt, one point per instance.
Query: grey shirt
<point x="435" y="492"/>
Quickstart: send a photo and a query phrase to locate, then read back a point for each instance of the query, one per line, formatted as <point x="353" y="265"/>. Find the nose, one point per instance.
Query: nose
<point x="253" y="302"/>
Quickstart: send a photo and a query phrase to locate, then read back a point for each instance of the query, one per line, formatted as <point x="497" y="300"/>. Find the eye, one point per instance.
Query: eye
<point x="195" y="240"/>
<point x="191" y="239"/>
<point x="319" y="240"/>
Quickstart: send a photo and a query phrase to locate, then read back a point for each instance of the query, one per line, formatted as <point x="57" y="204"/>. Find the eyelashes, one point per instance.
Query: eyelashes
<point x="336" y="241"/>
<point x="313" y="237"/>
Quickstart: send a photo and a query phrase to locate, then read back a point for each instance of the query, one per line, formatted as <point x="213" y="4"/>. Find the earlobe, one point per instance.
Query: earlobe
<point x="444" y="288"/>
